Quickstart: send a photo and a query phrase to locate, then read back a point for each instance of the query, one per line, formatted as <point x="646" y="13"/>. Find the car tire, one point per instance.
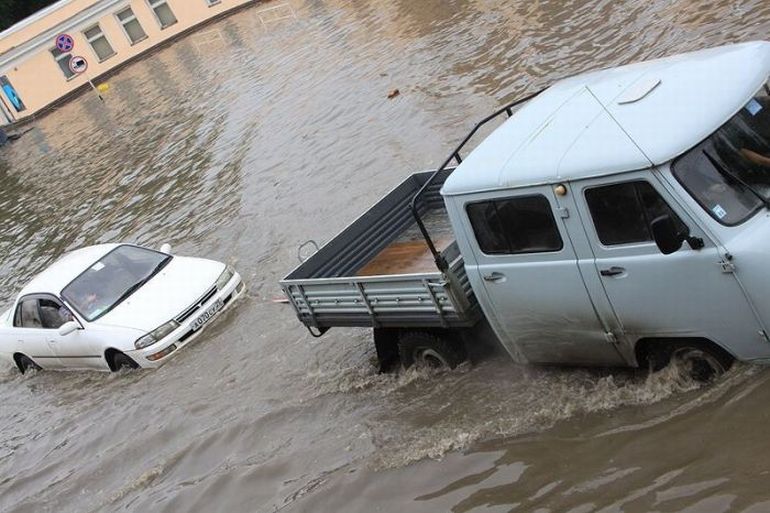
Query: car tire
<point x="700" y="362"/>
<point x="26" y="363"/>
<point x="425" y="349"/>
<point x="121" y="361"/>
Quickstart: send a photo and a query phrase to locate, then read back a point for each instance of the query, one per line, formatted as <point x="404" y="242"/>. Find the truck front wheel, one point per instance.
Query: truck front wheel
<point x="700" y="359"/>
<point x="699" y="363"/>
<point x="426" y="349"/>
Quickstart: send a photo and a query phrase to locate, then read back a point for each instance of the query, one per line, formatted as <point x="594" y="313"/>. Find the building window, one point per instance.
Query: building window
<point x="63" y="60"/>
<point x="162" y="12"/>
<point x="131" y="25"/>
<point x="99" y="43"/>
<point x="212" y="3"/>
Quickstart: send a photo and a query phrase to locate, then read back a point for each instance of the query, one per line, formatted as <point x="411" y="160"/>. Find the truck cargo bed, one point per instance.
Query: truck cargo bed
<point x="378" y="272"/>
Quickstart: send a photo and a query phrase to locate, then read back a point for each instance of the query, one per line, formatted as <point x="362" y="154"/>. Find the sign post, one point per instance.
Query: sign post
<point x="79" y="65"/>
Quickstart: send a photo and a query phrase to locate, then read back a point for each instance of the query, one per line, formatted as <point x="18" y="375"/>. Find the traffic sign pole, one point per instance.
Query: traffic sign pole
<point x="79" y="65"/>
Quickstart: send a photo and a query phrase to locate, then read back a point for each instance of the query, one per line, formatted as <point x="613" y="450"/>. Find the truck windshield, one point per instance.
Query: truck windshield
<point x="728" y="174"/>
<point x="111" y="280"/>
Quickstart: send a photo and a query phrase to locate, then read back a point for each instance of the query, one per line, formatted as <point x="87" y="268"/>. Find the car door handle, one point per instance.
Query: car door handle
<point x="613" y="271"/>
<point x="494" y="277"/>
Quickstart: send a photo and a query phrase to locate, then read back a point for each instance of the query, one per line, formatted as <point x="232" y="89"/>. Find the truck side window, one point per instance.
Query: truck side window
<point x="622" y="213"/>
<point x="28" y="315"/>
<point x="515" y="225"/>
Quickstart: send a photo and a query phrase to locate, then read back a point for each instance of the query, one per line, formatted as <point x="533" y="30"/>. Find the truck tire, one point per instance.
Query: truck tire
<point x="700" y="361"/>
<point x="427" y="349"/>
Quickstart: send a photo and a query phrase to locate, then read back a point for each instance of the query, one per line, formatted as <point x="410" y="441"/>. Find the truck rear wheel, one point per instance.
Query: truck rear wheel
<point x="426" y="349"/>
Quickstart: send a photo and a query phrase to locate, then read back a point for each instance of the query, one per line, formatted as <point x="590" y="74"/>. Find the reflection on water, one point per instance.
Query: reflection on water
<point x="266" y="129"/>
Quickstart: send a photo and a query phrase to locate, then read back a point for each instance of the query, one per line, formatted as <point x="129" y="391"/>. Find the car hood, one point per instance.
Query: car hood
<point x="180" y="284"/>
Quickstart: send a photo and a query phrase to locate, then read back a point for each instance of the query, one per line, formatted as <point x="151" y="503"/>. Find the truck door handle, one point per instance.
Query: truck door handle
<point x="494" y="277"/>
<point x="613" y="271"/>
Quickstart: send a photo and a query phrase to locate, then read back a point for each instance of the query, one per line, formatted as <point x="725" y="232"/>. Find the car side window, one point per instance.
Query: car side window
<point x="623" y="213"/>
<point x="28" y="315"/>
<point x="515" y="225"/>
<point x="53" y="314"/>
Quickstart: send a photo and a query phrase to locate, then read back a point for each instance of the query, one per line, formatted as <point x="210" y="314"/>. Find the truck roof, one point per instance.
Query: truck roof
<point x="59" y="274"/>
<point x="616" y="120"/>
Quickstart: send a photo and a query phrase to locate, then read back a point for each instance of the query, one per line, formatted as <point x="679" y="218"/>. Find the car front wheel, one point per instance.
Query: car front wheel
<point x="121" y="361"/>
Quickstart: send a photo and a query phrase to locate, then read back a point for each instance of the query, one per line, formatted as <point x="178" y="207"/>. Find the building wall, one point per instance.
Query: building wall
<point x="25" y="53"/>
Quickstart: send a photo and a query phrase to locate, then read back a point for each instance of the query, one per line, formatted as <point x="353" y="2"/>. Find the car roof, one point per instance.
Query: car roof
<point x="68" y="267"/>
<point x="616" y="120"/>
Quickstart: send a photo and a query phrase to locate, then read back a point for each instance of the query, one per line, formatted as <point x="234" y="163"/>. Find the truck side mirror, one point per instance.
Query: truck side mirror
<point x="667" y="237"/>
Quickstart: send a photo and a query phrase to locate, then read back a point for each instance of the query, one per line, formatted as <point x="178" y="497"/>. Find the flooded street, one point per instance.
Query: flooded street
<point x="271" y="127"/>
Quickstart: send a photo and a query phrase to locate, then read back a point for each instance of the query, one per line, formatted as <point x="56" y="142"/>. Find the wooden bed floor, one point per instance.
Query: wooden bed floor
<point x="404" y="257"/>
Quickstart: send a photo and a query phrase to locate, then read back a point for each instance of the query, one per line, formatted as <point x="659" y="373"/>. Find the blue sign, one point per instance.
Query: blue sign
<point x="11" y="94"/>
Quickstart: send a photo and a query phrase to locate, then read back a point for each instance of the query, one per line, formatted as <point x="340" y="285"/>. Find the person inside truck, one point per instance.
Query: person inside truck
<point x="743" y="143"/>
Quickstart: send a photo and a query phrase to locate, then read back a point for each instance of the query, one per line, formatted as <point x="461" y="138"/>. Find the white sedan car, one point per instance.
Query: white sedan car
<point x="112" y="306"/>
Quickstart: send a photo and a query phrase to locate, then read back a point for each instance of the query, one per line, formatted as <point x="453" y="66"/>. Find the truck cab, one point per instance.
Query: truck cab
<point x="622" y="216"/>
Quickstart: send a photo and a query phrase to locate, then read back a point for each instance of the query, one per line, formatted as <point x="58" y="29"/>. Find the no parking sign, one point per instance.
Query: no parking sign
<point x="65" y="43"/>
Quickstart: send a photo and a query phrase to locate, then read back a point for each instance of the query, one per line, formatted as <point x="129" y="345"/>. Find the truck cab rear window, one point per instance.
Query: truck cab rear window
<point x="515" y="225"/>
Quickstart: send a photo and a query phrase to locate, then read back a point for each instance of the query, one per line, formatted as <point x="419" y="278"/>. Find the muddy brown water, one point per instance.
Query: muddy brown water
<point x="261" y="131"/>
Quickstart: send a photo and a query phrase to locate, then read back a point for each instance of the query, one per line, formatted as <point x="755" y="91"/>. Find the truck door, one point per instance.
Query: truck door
<point x="528" y="281"/>
<point x="685" y="294"/>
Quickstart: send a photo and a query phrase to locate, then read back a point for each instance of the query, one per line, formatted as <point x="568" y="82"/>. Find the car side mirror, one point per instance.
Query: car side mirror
<point x="68" y="327"/>
<point x="667" y="237"/>
<point x="166" y="248"/>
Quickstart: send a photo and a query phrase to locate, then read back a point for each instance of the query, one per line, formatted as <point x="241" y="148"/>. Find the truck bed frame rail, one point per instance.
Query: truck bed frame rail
<point x="441" y="262"/>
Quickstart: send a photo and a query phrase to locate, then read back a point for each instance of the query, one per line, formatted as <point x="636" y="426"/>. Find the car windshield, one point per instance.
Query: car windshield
<point x="729" y="173"/>
<point x="113" y="279"/>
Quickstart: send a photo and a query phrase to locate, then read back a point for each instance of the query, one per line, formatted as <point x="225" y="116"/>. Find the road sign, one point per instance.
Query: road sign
<point x="65" y="43"/>
<point x="78" y="64"/>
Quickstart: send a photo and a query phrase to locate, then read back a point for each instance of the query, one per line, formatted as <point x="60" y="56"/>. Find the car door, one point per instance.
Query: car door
<point x="32" y="340"/>
<point x="74" y="351"/>
<point x="533" y="291"/>
<point x="690" y="293"/>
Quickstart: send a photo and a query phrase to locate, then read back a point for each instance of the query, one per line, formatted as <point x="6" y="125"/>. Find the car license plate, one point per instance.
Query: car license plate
<point x="208" y="314"/>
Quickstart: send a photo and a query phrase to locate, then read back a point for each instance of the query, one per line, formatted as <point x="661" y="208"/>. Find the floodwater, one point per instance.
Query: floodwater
<point x="269" y="128"/>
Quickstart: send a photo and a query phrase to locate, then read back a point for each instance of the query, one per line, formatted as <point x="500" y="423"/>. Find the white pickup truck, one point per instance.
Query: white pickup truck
<point x="618" y="218"/>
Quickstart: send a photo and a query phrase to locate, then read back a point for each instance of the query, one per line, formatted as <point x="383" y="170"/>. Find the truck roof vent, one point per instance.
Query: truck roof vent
<point x="639" y="90"/>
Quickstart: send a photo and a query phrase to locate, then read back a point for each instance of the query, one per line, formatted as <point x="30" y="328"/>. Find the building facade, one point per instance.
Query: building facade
<point x="106" y="34"/>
